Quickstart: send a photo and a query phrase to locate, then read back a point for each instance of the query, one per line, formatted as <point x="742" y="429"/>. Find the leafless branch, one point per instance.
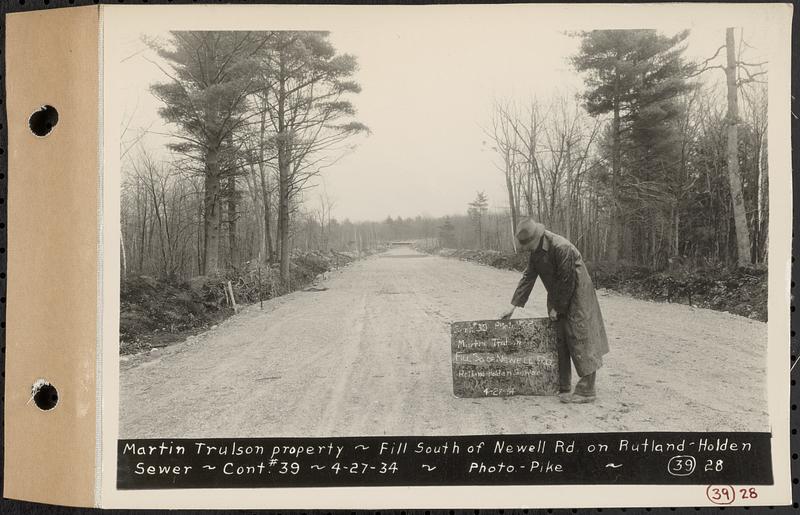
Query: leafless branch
<point x="751" y="77"/>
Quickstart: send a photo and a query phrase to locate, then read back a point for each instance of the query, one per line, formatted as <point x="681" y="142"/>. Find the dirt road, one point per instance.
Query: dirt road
<point x="370" y="355"/>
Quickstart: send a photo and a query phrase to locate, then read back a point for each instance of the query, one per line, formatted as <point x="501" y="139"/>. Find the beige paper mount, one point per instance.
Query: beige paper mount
<point x="51" y="327"/>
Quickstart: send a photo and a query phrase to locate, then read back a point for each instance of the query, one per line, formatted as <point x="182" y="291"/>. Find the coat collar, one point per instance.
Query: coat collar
<point x="545" y="244"/>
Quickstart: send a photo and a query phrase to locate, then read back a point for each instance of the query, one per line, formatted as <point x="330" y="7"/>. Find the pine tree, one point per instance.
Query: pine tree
<point x="477" y="209"/>
<point x="211" y="76"/>
<point x="635" y="75"/>
<point x="306" y="83"/>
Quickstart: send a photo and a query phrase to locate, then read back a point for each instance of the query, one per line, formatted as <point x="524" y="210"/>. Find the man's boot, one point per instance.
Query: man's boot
<point x="584" y="391"/>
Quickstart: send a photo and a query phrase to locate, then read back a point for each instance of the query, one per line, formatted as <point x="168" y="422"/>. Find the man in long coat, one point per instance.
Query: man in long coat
<point x="571" y="302"/>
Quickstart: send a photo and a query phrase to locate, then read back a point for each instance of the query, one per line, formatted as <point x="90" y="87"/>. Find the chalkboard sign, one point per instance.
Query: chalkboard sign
<point x="497" y="358"/>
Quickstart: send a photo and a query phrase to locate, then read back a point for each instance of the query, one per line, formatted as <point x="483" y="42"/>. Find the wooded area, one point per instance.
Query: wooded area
<point x="256" y="116"/>
<point x="654" y="164"/>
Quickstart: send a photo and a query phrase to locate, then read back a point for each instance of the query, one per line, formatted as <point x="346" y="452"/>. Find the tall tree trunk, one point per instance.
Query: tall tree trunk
<point x="529" y="190"/>
<point x="124" y="257"/>
<point x="739" y="216"/>
<point x="171" y="249"/>
<point x="511" y="201"/>
<point x="614" y="228"/>
<point x="265" y="189"/>
<point x="267" y="218"/>
<point x="284" y="163"/>
<point x="200" y="229"/>
<point x="677" y="240"/>
<point x="212" y="218"/>
<point x="283" y="218"/>
<point x="258" y="247"/>
<point x="268" y="233"/>
<point x="142" y="237"/>
<point x="232" y="243"/>
<point x="756" y="234"/>
<point x="763" y="201"/>
<point x="157" y="212"/>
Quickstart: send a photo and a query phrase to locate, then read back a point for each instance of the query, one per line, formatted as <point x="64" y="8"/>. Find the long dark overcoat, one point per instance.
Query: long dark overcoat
<point x="571" y="293"/>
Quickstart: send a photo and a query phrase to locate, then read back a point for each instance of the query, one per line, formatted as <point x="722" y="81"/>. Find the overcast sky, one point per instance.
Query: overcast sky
<point x="428" y="90"/>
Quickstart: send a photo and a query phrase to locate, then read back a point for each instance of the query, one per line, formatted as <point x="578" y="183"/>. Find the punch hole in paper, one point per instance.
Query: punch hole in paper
<point x="43" y="120"/>
<point x="44" y="395"/>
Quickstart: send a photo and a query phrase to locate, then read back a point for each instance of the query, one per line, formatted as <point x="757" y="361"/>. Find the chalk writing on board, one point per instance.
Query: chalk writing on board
<point x="494" y="358"/>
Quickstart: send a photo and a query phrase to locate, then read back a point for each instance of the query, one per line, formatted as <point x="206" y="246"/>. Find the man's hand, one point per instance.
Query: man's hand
<point x="505" y="315"/>
<point x="553" y="315"/>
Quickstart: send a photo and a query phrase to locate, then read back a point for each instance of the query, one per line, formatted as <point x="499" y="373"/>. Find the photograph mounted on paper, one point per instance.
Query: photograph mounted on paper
<point x="391" y="253"/>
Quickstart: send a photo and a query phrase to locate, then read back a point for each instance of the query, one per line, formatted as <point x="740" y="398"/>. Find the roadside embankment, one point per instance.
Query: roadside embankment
<point x="741" y="291"/>
<point x="156" y="312"/>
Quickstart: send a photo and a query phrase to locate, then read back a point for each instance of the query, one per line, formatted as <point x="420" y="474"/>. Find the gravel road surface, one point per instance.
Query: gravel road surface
<point x="370" y="355"/>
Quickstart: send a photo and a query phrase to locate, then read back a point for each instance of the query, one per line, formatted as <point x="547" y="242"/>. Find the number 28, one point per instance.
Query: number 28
<point x="748" y="493"/>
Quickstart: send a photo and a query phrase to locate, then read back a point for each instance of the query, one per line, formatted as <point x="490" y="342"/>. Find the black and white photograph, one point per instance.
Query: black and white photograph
<point x="459" y="226"/>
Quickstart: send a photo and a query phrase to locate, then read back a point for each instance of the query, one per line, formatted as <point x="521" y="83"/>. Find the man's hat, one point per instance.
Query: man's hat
<point x="528" y="231"/>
